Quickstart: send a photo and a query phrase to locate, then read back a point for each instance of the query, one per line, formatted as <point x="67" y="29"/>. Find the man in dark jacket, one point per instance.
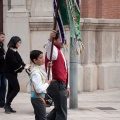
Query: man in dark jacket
<point x="2" y="77"/>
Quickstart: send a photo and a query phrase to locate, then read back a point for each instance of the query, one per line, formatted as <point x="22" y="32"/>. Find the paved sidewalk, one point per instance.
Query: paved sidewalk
<point x="98" y="105"/>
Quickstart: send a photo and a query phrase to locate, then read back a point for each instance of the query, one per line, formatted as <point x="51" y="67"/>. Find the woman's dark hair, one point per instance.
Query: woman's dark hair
<point x="57" y="35"/>
<point x="1" y="33"/>
<point x="34" y="54"/>
<point x="13" y="41"/>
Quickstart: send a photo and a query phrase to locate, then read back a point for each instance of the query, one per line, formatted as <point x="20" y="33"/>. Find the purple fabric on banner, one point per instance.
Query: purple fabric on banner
<point x="78" y="3"/>
<point x="59" y="22"/>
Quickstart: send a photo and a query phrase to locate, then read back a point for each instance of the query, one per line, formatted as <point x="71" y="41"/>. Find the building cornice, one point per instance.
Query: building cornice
<point x="100" y="24"/>
<point x="46" y="23"/>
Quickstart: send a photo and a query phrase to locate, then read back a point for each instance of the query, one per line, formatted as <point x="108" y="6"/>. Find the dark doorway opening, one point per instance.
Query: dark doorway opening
<point x="1" y="15"/>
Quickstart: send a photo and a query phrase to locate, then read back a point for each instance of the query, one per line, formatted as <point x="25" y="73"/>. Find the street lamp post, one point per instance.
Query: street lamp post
<point x="73" y="76"/>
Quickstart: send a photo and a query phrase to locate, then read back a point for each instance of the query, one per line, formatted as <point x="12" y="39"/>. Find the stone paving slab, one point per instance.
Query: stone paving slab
<point x="88" y="107"/>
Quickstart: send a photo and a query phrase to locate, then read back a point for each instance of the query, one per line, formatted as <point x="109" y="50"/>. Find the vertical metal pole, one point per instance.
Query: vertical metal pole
<point x="73" y="76"/>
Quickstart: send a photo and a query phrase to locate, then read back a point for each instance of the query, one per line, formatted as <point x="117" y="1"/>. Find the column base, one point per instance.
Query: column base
<point x="90" y="79"/>
<point x="108" y="76"/>
<point x="80" y="78"/>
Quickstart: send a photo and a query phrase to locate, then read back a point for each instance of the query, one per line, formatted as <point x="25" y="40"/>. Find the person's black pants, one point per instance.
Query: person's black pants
<point x="2" y="89"/>
<point x="57" y="90"/>
<point x="13" y="87"/>
<point x="39" y="109"/>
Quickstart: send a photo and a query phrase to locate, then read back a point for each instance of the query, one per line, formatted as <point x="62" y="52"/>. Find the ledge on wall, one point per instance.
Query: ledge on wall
<point x="41" y="19"/>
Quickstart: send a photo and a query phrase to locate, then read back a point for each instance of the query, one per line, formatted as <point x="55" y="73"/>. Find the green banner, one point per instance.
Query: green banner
<point x="63" y="12"/>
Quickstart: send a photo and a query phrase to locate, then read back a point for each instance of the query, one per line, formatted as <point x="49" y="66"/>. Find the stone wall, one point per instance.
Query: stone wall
<point x="98" y="64"/>
<point x="100" y="59"/>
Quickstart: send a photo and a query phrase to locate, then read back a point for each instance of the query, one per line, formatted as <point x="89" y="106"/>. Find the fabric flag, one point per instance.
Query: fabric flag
<point x="75" y="17"/>
<point x="59" y="23"/>
<point x="63" y="12"/>
<point x="78" y="3"/>
<point x="69" y="14"/>
<point x="74" y="20"/>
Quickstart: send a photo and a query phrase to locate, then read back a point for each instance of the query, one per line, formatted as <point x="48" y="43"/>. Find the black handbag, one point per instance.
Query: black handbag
<point x="48" y="100"/>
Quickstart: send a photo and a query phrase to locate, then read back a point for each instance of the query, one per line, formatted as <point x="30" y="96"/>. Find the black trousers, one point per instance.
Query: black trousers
<point x="13" y="87"/>
<point x="39" y="109"/>
<point x="2" y="89"/>
<point x="57" y="90"/>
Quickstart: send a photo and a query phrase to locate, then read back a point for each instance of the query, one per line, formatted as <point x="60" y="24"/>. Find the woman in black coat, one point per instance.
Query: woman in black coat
<point x="13" y="65"/>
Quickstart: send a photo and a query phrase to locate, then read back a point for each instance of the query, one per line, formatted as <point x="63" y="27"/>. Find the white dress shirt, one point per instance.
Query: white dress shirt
<point x="55" y="52"/>
<point x="38" y="82"/>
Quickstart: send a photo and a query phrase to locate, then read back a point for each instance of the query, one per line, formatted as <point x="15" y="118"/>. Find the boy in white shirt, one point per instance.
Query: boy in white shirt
<point x="39" y="85"/>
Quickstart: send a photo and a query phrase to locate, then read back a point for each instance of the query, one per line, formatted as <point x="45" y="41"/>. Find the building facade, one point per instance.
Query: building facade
<point x="99" y="63"/>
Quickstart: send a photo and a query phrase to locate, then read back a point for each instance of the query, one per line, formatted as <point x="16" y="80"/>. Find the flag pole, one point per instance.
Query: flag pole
<point x="54" y="28"/>
<point x="74" y="36"/>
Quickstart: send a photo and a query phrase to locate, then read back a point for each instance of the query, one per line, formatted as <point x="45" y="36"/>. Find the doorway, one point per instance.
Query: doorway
<point x="1" y="15"/>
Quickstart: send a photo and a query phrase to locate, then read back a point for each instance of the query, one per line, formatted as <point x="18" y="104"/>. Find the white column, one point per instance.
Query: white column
<point x="42" y="8"/>
<point x="88" y="56"/>
<point x="108" y="40"/>
<point x="17" y="23"/>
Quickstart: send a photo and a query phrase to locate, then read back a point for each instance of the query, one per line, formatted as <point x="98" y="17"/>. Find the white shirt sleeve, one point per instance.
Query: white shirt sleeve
<point x="37" y="82"/>
<point x="48" y="50"/>
<point x="68" y="86"/>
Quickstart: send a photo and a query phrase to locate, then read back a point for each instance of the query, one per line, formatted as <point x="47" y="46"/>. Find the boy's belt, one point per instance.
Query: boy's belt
<point x="54" y="80"/>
